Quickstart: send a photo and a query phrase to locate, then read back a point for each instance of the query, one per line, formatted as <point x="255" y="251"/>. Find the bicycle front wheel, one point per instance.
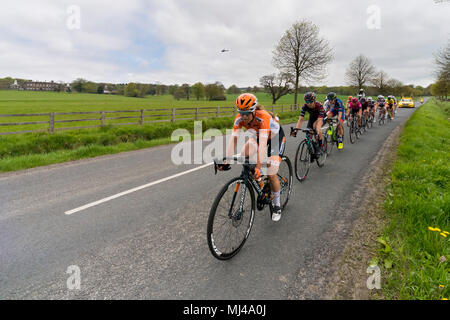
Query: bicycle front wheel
<point x="330" y="140"/>
<point x="352" y="133"/>
<point x="285" y="175"/>
<point x="323" y="155"/>
<point x="231" y="219"/>
<point x="302" y="161"/>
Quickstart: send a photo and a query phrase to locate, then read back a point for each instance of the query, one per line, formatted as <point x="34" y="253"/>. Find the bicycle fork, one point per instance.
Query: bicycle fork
<point x="241" y="204"/>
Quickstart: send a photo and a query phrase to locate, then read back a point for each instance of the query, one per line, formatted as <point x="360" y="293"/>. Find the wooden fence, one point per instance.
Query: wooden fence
<point x="143" y="116"/>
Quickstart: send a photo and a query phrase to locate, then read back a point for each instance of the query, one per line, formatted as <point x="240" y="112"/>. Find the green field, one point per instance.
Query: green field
<point x="415" y="259"/>
<point x="34" y="102"/>
<point x="20" y="102"/>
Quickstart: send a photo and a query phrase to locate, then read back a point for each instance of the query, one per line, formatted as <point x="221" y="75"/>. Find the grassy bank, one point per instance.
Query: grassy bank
<point x="415" y="246"/>
<point x="26" y="151"/>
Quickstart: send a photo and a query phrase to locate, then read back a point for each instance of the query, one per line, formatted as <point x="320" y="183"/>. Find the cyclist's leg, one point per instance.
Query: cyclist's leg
<point x="318" y="127"/>
<point x="275" y="157"/>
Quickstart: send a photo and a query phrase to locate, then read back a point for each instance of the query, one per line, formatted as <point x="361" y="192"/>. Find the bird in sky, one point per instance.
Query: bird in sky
<point x="224" y="50"/>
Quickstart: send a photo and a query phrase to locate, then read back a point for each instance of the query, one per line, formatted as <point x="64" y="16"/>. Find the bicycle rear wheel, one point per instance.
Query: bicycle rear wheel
<point x="302" y="161"/>
<point x="228" y="225"/>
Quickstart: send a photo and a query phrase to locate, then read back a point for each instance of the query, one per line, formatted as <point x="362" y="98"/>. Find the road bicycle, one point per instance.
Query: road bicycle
<point x="233" y="212"/>
<point x="381" y="117"/>
<point x="332" y="136"/>
<point x="389" y="118"/>
<point x="355" y="129"/>
<point x="306" y="153"/>
<point x="371" y="119"/>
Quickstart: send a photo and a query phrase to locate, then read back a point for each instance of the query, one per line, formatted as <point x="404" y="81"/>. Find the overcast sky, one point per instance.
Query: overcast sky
<point x="177" y="41"/>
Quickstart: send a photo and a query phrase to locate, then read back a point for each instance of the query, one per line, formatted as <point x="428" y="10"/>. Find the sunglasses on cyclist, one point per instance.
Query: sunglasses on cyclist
<point x="309" y="101"/>
<point x="245" y="113"/>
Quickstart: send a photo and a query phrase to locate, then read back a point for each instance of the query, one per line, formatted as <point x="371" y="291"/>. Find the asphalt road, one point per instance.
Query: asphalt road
<point x="151" y="243"/>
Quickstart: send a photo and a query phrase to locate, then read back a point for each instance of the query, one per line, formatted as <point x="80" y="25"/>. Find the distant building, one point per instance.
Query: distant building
<point x="42" y="86"/>
<point x="15" y="86"/>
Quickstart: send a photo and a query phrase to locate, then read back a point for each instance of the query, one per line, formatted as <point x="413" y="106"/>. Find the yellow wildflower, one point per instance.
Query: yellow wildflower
<point x="444" y="235"/>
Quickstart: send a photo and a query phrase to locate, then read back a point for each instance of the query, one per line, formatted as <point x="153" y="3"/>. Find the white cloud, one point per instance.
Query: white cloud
<point x="176" y="41"/>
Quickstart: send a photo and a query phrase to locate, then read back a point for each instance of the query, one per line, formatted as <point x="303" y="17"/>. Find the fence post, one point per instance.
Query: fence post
<point x="52" y="123"/>
<point x="217" y="113"/>
<point x="142" y="117"/>
<point x="173" y="114"/>
<point x="103" y="118"/>
<point x="196" y="114"/>
<point x="273" y="109"/>
<point x="282" y="108"/>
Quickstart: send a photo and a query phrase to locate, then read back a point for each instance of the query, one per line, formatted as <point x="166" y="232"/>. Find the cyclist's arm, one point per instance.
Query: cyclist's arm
<point x="233" y="142"/>
<point x="300" y="121"/>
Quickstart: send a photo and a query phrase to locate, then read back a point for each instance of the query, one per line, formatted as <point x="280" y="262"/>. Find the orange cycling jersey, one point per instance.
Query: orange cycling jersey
<point x="263" y="125"/>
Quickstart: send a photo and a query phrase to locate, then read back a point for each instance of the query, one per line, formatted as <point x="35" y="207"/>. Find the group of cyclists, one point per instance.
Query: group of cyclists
<point x="267" y="136"/>
<point x="362" y="106"/>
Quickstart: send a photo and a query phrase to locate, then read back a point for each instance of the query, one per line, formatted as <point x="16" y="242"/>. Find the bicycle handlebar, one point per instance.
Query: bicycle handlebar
<point x="238" y="159"/>
<point x="307" y="130"/>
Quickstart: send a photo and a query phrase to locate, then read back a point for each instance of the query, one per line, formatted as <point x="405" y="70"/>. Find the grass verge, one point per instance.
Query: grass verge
<point x="415" y="245"/>
<point x="38" y="149"/>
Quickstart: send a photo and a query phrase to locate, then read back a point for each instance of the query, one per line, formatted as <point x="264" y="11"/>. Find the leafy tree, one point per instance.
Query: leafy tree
<point x="233" y="89"/>
<point x="198" y="90"/>
<point x="187" y="90"/>
<point x="78" y="84"/>
<point x="215" y="91"/>
<point x="131" y="90"/>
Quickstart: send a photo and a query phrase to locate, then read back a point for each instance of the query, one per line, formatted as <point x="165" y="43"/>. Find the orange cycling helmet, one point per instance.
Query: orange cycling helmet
<point x="349" y="98"/>
<point x="246" y="102"/>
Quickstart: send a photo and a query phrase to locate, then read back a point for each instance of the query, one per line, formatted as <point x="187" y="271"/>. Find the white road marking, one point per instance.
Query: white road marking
<point x="92" y="204"/>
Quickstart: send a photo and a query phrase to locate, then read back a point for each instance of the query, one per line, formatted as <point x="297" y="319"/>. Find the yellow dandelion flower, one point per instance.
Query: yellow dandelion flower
<point x="434" y="229"/>
<point x="444" y="235"/>
<point x="447" y="233"/>
<point x="441" y="286"/>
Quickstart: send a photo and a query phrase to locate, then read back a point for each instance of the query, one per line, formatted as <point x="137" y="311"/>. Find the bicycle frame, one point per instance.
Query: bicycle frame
<point x="246" y="176"/>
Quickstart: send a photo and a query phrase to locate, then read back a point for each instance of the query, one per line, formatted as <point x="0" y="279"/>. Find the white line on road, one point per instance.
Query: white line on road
<point x="90" y="205"/>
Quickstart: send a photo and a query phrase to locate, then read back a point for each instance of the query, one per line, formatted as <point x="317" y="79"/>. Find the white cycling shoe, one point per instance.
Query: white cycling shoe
<point x="276" y="215"/>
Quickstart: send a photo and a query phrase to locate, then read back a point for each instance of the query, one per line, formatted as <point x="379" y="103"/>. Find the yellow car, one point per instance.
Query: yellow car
<point x="406" y="102"/>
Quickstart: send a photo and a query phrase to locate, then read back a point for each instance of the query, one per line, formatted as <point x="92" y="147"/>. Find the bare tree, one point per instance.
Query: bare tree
<point x="395" y="87"/>
<point x="442" y="62"/>
<point x="277" y="86"/>
<point x="380" y="81"/>
<point x="359" y="72"/>
<point x="303" y="53"/>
